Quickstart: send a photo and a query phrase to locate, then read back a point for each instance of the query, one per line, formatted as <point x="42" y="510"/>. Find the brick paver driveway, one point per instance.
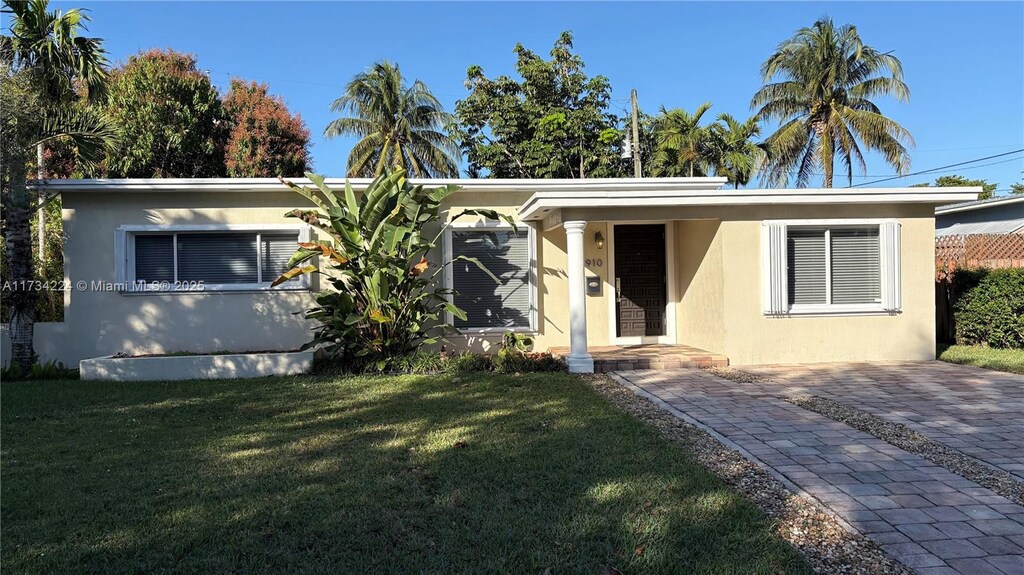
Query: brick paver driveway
<point x="977" y="411"/>
<point x="930" y="519"/>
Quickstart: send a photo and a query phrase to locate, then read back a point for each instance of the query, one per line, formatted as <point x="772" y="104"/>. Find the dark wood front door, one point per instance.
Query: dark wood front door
<point x="640" y="286"/>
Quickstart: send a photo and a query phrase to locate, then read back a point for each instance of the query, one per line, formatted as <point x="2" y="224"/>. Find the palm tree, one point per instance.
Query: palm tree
<point x="50" y="43"/>
<point x="736" y="155"/>
<point x="41" y="62"/>
<point x="682" y="145"/>
<point x="399" y="126"/>
<point x="826" y="79"/>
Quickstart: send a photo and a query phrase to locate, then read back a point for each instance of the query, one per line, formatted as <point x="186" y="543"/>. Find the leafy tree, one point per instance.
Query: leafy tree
<point x="683" y="146"/>
<point x="171" y="117"/>
<point x="265" y="139"/>
<point x="401" y="127"/>
<point x="1017" y="188"/>
<point x="735" y="154"/>
<point x="553" y="124"/>
<point x="40" y="61"/>
<point x="962" y="181"/>
<point x="826" y="79"/>
<point x="384" y="303"/>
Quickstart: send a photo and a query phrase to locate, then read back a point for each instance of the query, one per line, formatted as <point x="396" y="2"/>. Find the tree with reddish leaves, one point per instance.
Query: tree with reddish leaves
<point x="266" y="140"/>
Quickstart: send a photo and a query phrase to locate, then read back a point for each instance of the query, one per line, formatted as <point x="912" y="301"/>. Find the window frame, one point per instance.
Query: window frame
<point x="124" y="249"/>
<point x="826" y="309"/>
<point x="449" y="281"/>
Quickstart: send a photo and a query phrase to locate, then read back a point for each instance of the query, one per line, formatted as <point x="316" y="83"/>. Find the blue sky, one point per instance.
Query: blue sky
<point x="964" y="62"/>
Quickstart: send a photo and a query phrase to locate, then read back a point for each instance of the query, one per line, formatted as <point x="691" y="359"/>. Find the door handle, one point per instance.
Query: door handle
<point x="618" y="289"/>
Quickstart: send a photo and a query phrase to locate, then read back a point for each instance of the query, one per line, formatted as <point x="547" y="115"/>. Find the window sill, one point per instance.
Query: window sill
<point x="835" y="311"/>
<point x="496" y="331"/>
<point x="216" y="290"/>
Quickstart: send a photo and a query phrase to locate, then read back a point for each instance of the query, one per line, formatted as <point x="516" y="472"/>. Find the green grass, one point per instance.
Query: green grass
<point x="477" y="474"/>
<point x="1011" y="360"/>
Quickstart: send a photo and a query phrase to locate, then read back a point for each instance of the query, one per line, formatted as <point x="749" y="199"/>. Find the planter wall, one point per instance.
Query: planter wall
<point x="178" y="367"/>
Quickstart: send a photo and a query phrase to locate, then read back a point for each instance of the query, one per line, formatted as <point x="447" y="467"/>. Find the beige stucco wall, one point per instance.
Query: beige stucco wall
<point x="718" y="267"/>
<point x="717" y="283"/>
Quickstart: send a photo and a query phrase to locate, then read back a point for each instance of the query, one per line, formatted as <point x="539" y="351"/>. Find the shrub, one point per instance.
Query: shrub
<point x="989" y="307"/>
<point x="383" y="303"/>
<point x="40" y="370"/>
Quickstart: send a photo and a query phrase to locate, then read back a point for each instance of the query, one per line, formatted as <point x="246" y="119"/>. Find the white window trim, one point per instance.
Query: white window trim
<point x="124" y="257"/>
<point x="449" y="281"/>
<point x="827" y="309"/>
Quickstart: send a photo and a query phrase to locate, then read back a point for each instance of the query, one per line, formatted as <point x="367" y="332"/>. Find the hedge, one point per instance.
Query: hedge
<point x="989" y="307"/>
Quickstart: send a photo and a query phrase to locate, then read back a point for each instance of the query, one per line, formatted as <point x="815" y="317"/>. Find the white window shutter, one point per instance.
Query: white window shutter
<point x="775" y="290"/>
<point x="890" y="248"/>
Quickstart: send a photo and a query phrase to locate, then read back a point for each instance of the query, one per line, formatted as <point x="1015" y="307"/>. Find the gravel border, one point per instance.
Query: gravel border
<point x="827" y="546"/>
<point x="907" y="439"/>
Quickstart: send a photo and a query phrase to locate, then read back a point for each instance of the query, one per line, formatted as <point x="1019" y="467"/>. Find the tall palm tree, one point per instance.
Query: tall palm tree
<point x="40" y="61"/>
<point x="682" y="145"/>
<point x="826" y="79"/>
<point x="737" y="156"/>
<point x="50" y="42"/>
<point x="400" y="126"/>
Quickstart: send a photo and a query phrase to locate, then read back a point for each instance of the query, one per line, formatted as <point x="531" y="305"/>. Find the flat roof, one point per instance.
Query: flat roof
<point x="980" y="204"/>
<point x="467" y="184"/>
<point x="543" y="203"/>
<point x="975" y="228"/>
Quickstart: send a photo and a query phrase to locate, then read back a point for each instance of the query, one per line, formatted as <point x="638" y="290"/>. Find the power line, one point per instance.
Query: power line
<point x="931" y="170"/>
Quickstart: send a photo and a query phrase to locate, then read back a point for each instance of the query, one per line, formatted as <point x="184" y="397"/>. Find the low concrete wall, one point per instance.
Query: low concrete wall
<point x="179" y="367"/>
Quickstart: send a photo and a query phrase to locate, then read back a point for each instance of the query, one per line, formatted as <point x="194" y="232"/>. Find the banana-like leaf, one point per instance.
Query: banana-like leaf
<point x="292" y="273"/>
<point x="306" y="193"/>
<point x="327" y="192"/>
<point x="350" y="200"/>
<point x="455" y="311"/>
<point x="477" y="263"/>
<point x="324" y="250"/>
<point x="379" y="317"/>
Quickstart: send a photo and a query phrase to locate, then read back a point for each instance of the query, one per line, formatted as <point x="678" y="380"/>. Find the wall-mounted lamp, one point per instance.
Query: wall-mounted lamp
<point x="599" y="240"/>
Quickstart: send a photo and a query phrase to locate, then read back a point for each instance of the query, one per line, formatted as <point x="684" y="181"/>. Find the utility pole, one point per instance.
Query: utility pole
<point x="636" y="136"/>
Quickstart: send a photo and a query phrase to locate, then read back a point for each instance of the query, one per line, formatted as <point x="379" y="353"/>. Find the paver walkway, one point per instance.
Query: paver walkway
<point x="933" y="521"/>
<point x="977" y="411"/>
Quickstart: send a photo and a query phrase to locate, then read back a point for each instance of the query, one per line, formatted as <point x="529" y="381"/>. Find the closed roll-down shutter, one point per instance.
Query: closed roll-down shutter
<point x="154" y="258"/>
<point x="856" y="269"/>
<point x="220" y="258"/>
<point x="276" y="250"/>
<point x="806" y="255"/>
<point x="504" y="253"/>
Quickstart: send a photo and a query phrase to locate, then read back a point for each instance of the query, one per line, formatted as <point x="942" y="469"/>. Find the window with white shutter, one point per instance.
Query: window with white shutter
<point x="503" y="305"/>
<point x="163" y="259"/>
<point x="840" y="266"/>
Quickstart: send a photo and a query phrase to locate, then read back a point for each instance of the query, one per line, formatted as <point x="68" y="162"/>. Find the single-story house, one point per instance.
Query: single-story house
<point x="760" y="276"/>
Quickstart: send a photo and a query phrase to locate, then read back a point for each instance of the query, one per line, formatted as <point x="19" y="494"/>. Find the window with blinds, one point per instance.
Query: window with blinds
<point x="834" y="266"/>
<point x="215" y="258"/>
<point x="505" y="304"/>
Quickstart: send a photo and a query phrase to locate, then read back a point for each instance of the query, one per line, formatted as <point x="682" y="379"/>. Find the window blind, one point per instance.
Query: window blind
<point x="856" y="268"/>
<point x="806" y="259"/>
<point x="218" y="258"/>
<point x="154" y="258"/>
<point x="504" y="253"/>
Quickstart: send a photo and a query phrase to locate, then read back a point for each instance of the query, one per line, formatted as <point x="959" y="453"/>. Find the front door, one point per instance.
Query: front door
<point x="641" y="294"/>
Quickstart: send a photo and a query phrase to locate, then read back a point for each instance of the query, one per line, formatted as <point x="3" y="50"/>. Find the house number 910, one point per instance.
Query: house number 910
<point x="597" y="262"/>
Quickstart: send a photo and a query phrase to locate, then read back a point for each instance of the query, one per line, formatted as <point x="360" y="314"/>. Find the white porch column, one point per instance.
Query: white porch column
<point x="579" y="358"/>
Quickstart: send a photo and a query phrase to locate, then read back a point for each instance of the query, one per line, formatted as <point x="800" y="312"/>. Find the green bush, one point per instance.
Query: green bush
<point x="426" y="362"/>
<point x="989" y="307"/>
<point x="40" y="370"/>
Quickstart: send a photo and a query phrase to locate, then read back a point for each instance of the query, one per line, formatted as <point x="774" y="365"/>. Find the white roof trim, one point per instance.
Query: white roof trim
<point x="980" y="204"/>
<point x="466" y="184"/>
<point x="541" y="204"/>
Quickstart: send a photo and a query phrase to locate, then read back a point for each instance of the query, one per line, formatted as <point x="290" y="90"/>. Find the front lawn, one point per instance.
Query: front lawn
<point x="481" y="473"/>
<point x="1011" y="360"/>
